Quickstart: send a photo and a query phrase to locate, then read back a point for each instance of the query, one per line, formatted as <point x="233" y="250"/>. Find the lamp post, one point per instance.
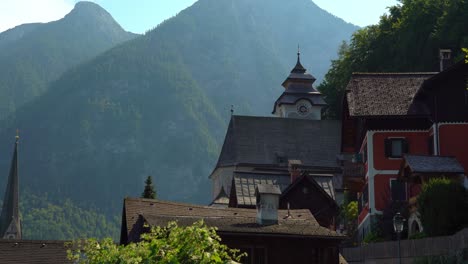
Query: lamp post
<point x="398" y="224"/>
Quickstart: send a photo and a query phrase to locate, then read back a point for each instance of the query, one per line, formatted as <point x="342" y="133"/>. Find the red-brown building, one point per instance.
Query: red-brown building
<point x="389" y="115"/>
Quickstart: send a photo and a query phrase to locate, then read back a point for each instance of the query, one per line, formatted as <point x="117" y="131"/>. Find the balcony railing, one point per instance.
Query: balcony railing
<point x="354" y="175"/>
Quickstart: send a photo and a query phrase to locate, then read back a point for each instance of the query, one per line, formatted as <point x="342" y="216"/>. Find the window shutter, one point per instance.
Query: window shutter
<point x="388" y="148"/>
<point x="405" y="146"/>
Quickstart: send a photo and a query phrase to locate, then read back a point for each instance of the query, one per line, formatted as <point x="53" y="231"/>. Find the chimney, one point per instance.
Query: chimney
<point x="294" y="170"/>
<point x="445" y="59"/>
<point x="267" y="203"/>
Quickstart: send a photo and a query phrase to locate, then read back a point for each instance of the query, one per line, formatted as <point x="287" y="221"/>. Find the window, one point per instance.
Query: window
<point x="398" y="189"/>
<point x="395" y="147"/>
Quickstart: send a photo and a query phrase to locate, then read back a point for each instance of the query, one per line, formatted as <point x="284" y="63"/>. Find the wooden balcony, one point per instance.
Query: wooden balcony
<point x="354" y="175"/>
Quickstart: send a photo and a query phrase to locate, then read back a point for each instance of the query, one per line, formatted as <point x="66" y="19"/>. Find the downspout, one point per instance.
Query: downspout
<point x="436" y="129"/>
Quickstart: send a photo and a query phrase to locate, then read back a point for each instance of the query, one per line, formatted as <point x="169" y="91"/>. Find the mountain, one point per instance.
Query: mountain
<point x="241" y="51"/>
<point x="33" y="55"/>
<point x="158" y="104"/>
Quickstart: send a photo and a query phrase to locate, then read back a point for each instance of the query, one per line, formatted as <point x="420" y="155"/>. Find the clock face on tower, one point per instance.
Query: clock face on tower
<point x="303" y="108"/>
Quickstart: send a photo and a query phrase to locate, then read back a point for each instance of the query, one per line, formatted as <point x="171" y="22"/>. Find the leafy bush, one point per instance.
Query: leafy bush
<point x="171" y="244"/>
<point x="372" y="237"/>
<point x="443" y="206"/>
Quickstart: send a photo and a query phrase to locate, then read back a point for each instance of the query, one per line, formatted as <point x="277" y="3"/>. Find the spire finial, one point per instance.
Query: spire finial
<point x="298" y="52"/>
<point x="232" y="110"/>
<point x="17" y="135"/>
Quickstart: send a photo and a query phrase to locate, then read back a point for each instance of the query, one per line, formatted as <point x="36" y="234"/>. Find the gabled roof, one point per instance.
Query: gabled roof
<point x="227" y="220"/>
<point x="433" y="164"/>
<point x="376" y="94"/>
<point x="33" y="251"/>
<point x="244" y="184"/>
<point x="221" y="200"/>
<point x="323" y="182"/>
<point x="266" y="140"/>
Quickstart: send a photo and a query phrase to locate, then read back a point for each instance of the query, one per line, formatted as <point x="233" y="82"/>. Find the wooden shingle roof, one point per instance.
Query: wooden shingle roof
<point x="265" y="140"/>
<point x="375" y="94"/>
<point x="33" y="251"/>
<point x="138" y="211"/>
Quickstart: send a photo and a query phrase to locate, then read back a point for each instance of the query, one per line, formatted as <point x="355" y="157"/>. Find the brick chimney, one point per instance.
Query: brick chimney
<point x="445" y="59"/>
<point x="294" y="169"/>
<point x="267" y="203"/>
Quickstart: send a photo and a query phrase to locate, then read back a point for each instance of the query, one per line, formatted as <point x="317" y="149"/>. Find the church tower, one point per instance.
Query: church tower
<point x="10" y="224"/>
<point x="299" y="99"/>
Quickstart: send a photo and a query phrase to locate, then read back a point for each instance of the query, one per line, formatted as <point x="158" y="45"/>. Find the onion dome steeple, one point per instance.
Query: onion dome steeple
<point x="300" y="99"/>
<point x="298" y="68"/>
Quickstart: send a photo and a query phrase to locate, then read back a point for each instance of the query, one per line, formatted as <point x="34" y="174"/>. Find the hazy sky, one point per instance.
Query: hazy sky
<point x="140" y="15"/>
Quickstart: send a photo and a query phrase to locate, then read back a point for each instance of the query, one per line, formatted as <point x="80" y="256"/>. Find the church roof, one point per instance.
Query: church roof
<point x="298" y="73"/>
<point x="9" y="218"/>
<point x="271" y="140"/>
<point x="374" y="94"/>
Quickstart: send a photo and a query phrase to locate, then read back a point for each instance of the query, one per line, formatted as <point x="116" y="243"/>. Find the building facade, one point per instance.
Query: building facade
<point x="390" y="118"/>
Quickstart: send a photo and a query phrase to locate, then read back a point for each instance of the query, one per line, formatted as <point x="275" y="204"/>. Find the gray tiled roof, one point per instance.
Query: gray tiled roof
<point x="246" y="182"/>
<point x="260" y="140"/>
<point x="428" y="164"/>
<point x="268" y="189"/>
<point x="326" y="182"/>
<point x="33" y="251"/>
<point x="235" y="220"/>
<point x="370" y="94"/>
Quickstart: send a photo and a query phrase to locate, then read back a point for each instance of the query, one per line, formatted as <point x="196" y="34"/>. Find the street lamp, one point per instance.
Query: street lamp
<point x="398" y="224"/>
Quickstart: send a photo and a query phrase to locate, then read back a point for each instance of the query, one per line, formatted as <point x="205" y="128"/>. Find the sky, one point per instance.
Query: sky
<point x="147" y="14"/>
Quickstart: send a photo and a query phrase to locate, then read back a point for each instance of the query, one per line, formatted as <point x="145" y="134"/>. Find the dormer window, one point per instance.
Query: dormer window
<point x="396" y="147"/>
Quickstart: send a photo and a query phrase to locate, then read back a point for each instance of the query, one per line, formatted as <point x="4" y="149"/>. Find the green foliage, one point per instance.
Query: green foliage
<point x="372" y="237"/>
<point x="443" y="206"/>
<point x="171" y="244"/>
<point x="351" y="210"/>
<point x="465" y="50"/>
<point x="64" y="220"/>
<point x="149" y="191"/>
<point x="349" y="213"/>
<point x="407" y="39"/>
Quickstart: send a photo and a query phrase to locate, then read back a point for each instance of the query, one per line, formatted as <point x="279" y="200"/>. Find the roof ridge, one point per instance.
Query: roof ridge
<point x="394" y="73"/>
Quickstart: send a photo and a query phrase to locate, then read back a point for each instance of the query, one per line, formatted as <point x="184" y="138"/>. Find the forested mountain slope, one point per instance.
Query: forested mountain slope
<point x="33" y="55"/>
<point x="159" y="104"/>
